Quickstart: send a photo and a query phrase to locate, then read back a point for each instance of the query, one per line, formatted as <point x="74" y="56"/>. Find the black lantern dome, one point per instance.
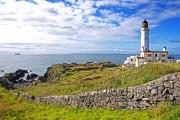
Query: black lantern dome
<point x="144" y="24"/>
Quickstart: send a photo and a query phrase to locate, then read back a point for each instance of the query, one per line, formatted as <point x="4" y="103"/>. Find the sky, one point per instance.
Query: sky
<point x="87" y="26"/>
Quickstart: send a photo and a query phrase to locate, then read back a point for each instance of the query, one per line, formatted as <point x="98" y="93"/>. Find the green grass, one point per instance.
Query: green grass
<point x="13" y="108"/>
<point x="97" y="79"/>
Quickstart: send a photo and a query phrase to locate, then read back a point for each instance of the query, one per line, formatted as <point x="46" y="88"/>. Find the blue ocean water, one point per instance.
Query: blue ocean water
<point x="39" y="63"/>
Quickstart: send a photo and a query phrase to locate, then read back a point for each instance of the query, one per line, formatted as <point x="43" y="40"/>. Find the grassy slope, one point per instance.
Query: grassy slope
<point x="73" y="83"/>
<point x="12" y="108"/>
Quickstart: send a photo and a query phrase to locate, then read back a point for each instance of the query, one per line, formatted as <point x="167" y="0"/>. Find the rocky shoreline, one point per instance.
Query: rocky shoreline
<point x="24" y="78"/>
<point x="150" y="94"/>
<point x="19" y="78"/>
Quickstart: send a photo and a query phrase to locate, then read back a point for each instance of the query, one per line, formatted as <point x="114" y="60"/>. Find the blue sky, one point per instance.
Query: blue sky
<point x="87" y="26"/>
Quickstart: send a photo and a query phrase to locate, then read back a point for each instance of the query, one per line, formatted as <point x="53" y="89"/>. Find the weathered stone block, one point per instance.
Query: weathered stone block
<point x="154" y="91"/>
<point x="167" y="88"/>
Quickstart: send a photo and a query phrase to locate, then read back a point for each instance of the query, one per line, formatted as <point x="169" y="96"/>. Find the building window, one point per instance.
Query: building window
<point x="131" y="60"/>
<point x="155" y="55"/>
<point x="163" y="55"/>
<point x="149" y="55"/>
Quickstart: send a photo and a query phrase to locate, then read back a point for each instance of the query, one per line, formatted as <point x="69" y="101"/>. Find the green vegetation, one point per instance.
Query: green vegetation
<point x="82" y="80"/>
<point x="73" y="82"/>
<point x="13" y="108"/>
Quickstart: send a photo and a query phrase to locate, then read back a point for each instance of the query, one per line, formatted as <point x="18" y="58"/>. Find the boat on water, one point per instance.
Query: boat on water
<point x="17" y="53"/>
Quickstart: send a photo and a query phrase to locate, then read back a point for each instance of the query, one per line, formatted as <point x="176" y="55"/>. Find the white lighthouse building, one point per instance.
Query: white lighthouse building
<point x="144" y="36"/>
<point x="146" y="55"/>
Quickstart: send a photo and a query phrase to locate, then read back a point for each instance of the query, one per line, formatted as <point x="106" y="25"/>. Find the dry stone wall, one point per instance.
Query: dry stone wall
<point x="166" y="88"/>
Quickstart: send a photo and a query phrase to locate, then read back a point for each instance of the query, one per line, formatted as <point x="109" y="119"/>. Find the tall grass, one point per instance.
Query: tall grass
<point x="13" y="108"/>
<point x="74" y="83"/>
<point x="29" y="111"/>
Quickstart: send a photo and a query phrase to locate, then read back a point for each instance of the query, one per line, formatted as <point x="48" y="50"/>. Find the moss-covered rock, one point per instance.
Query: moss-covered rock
<point x="58" y="70"/>
<point x="5" y="83"/>
<point x="55" y="71"/>
<point x="10" y="77"/>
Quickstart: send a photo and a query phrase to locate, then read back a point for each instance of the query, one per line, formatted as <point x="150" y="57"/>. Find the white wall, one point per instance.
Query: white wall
<point x="144" y="39"/>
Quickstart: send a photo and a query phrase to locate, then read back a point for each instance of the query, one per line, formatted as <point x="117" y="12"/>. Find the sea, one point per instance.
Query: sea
<point x="39" y="63"/>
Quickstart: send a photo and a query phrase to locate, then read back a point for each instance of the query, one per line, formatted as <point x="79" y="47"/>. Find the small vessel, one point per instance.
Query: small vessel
<point x="2" y="71"/>
<point x="17" y="53"/>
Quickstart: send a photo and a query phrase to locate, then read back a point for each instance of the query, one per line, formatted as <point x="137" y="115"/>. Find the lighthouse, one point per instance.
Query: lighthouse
<point x="147" y="56"/>
<point x="144" y="36"/>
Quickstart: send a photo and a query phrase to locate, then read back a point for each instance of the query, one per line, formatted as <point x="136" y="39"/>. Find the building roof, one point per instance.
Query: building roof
<point x="139" y="57"/>
<point x="156" y="51"/>
<point x="144" y="24"/>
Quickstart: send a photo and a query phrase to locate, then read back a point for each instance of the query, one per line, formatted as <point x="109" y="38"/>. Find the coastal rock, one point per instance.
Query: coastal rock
<point x="10" y="77"/>
<point x="22" y="78"/>
<point x="14" y="77"/>
<point x="20" y="73"/>
<point x="32" y="76"/>
<point x="57" y="71"/>
<point x="42" y="79"/>
<point x="5" y="83"/>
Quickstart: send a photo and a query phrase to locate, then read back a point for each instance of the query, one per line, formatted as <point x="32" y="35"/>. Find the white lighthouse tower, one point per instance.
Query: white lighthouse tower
<point x="144" y="37"/>
<point x="147" y="56"/>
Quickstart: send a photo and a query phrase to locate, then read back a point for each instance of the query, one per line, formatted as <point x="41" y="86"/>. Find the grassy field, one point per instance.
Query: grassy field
<point x="97" y="79"/>
<point x="13" y="108"/>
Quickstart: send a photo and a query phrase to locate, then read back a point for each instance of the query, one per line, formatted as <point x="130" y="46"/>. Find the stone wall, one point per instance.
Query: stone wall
<point x="166" y="88"/>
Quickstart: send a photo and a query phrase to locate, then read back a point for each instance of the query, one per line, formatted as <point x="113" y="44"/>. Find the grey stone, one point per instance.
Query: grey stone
<point x="171" y="98"/>
<point x="154" y="91"/>
<point x="160" y="89"/>
<point x="146" y="99"/>
<point x="130" y="95"/>
<point x="144" y="96"/>
<point x="167" y="84"/>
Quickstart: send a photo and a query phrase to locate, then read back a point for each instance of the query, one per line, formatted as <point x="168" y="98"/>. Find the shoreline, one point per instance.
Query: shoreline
<point x="39" y="64"/>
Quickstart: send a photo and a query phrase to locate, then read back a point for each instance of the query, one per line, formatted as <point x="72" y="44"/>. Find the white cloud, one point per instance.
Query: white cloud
<point x="58" y="28"/>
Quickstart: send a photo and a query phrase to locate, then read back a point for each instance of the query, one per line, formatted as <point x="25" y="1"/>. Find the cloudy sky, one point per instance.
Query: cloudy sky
<point x="87" y="26"/>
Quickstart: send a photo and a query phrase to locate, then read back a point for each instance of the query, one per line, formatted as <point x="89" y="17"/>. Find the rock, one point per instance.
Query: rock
<point x="10" y="77"/>
<point x="149" y="87"/>
<point x="167" y="85"/>
<point x="177" y="85"/>
<point x="143" y="96"/>
<point x="154" y="91"/>
<point x="5" y="83"/>
<point x="14" y="77"/>
<point x="165" y="78"/>
<point x="165" y="92"/>
<point x="21" y="78"/>
<point x="20" y="73"/>
<point x="173" y="77"/>
<point x="146" y="99"/>
<point x="33" y="76"/>
<point x="160" y="89"/>
<point x="130" y="95"/>
<point x="28" y="77"/>
<point x="171" y="98"/>
<point x="42" y="79"/>
<point x="176" y="93"/>
<point x="107" y="64"/>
